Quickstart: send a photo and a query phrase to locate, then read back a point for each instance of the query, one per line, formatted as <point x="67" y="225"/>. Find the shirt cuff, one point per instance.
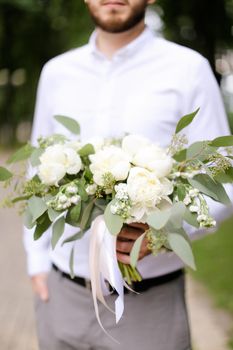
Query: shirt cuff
<point x="38" y="262"/>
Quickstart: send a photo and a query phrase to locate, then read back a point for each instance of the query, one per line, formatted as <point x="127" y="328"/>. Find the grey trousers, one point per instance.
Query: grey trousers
<point x="155" y="319"/>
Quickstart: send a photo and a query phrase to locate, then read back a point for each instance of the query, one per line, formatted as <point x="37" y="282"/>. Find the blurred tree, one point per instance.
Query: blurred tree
<point x="205" y="26"/>
<point x="31" y="32"/>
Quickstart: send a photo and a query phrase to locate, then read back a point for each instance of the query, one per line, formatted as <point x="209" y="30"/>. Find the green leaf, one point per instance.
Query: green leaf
<point x="113" y="222"/>
<point x="57" y="231"/>
<point x="43" y="223"/>
<point x="199" y="150"/>
<point x="101" y="203"/>
<point x="34" y="158"/>
<point x="5" y="174"/>
<point x="74" y="237"/>
<point x="158" y="219"/>
<point x="71" y="263"/>
<point x="211" y="188"/>
<point x="73" y="214"/>
<point x="69" y="123"/>
<point x="177" y="214"/>
<point x="22" y="154"/>
<point x="134" y="254"/>
<point x="181" y="192"/>
<point x="182" y="248"/>
<point x="185" y="121"/>
<point x="180" y="156"/>
<point x="86" y="215"/>
<point x="191" y="218"/>
<point x="225" y="177"/>
<point x="223" y="141"/>
<point x="86" y="150"/>
<point x="53" y="214"/>
<point x="82" y="192"/>
<point x="37" y="207"/>
<point x="27" y="219"/>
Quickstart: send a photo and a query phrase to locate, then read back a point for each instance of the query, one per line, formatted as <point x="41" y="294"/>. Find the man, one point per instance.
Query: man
<point x="124" y="80"/>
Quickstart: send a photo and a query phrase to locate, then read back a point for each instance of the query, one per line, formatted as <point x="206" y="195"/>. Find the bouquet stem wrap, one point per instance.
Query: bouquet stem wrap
<point x="104" y="267"/>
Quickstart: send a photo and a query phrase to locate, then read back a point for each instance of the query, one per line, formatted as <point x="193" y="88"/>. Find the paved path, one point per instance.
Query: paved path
<point x="17" y="329"/>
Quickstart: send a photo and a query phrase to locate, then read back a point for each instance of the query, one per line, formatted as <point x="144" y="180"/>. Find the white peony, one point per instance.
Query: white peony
<point x="132" y="144"/>
<point x="112" y="160"/>
<point x="146" y="191"/>
<point x="56" y="161"/>
<point x="155" y="159"/>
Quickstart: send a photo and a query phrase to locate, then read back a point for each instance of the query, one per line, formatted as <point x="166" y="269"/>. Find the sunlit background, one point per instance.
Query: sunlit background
<point x="33" y="31"/>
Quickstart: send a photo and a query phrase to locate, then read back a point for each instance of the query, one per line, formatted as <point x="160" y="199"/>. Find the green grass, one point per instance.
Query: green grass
<point x="214" y="259"/>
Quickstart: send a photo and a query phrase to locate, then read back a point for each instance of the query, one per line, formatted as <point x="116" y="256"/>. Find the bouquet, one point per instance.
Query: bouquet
<point x="107" y="184"/>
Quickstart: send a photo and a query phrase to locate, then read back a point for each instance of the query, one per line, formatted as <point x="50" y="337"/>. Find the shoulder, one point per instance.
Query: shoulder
<point x="65" y="61"/>
<point x="179" y="55"/>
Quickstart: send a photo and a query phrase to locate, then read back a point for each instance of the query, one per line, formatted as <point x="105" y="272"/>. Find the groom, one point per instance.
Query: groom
<point x="124" y="80"/>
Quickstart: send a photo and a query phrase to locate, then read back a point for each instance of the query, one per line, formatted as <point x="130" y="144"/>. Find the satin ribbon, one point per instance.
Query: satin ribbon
<point x="104" y="268"/>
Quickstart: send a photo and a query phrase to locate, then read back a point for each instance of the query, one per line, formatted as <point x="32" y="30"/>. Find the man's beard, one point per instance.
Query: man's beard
<point x="117" y="26"/>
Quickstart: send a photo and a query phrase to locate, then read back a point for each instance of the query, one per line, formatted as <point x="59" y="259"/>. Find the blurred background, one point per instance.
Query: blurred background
<point x="33" y="31"/>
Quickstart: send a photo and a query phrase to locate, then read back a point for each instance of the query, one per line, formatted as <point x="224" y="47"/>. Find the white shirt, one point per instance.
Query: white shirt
<point x="144" y="89"/>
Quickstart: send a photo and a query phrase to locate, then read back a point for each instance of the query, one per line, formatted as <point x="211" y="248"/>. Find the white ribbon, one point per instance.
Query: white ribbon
<point x="104" y="267"/>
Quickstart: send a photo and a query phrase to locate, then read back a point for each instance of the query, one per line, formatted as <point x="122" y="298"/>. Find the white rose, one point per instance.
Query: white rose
<point x="132" y="144"/>
<point x="74" y="144"/>
<point x="154" y="159"/>
<point x="109" y="160"/>
<point x="96" y="142"/>
<point x="56" y="161"/>
<point x="51" y="174"/>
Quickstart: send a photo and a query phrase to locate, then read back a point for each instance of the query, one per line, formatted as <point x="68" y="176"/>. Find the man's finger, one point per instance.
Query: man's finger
<point x="124" y="247"/>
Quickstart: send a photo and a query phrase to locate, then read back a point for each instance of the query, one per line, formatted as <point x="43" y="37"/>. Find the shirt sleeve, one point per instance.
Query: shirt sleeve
<point x="38" y="251"/>
<point x="210" y="122"/>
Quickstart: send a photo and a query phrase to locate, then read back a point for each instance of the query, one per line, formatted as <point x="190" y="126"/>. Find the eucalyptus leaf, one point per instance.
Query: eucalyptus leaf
<point x="71" y="263"/>
<point x="182" y="248"/>
<point x="113" y="222"/>
<point x="223" y="141"/>
<point x="134" y="254"/>
<point x="28" y="219"/>
<point x="191" y="218"/>
<point x="73" y="214"/>
<point x="180" y="156"/>
<point x="43" y="223"/>
<point x="177" y="214"/>
<point x="57" y="231"/>
<point x="53" y="214"/>
<point x="35" y="156"/>
<point x="86" y="215"/>
<point x="21" y="154"/>
<point x="158" y="219"/>
<point x="74" y="237"/>
<point x="69" y="123"/>
<point x="211" y="188"/>
<point x="225" y="176"/>
<point x="86" y="150"/>
<point x="185" y="121"/>
<point x="101" y="203"/>
<point x="37" y="207"/>
<point x="82" y="192"/>
<point x="5" y="174"/>
<point x="199" y="150"/>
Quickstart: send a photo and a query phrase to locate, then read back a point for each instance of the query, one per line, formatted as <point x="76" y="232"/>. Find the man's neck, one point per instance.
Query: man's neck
<point x="109" y="43"/>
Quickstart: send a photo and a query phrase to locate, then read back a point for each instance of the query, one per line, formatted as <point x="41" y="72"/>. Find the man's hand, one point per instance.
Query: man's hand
<point x="39" y="285"/>
<point x="125" y="241"/>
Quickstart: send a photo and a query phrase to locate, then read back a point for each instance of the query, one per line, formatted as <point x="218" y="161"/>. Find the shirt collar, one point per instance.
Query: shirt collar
<point x="130" y="49"/>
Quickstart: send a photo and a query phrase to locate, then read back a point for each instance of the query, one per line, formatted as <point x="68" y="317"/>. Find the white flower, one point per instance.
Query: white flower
<point x="194" y="192"/>
<point x="187" y="200"/>
<point x="56" y="161"/>
<point x="62" y="198"/>
<point x="121" y="191"/>
<point x="132" y="144"/>
<point x="202" y="217"/>
<point x="71" y="189"/>
<point x="109" y="160"/>
<point x="91" y="189"/>
<point x="154" y="159"/>
<point x="146" y="190"/>
<point x="74" y="144"/>
<point x="193" y="208"/>
<point x="97" y="143"/>
<point x="75" y="199"/>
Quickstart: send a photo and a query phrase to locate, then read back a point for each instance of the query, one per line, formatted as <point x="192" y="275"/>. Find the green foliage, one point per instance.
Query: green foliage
<point x="21" y="154"/>
<point x="5" y="174"/>
<point x="186" y="120"/>
<point x="182" y="248"/>
<point x="113" y="222"/>
<point x="134" y="254"/>
<point x="37" y="207"/>
<point x="57" y="231"/>
<point x="69" y="123"/>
